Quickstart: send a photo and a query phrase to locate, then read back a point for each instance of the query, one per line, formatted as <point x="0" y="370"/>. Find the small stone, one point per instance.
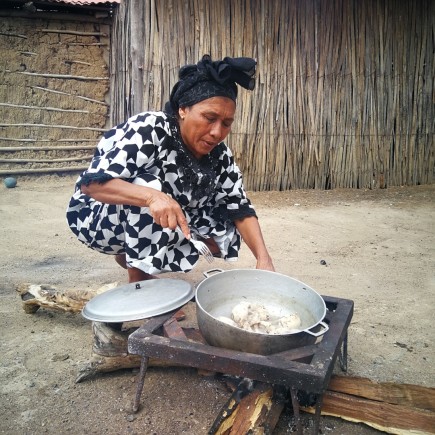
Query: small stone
<point x="59" y="357"/>
<point x="131" y="417"/>
<point x="323" y="262"/>
<point x="10" y="182"/>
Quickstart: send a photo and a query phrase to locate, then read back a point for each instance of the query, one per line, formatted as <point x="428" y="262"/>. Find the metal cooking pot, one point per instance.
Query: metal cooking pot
<point x="221" y="291"/>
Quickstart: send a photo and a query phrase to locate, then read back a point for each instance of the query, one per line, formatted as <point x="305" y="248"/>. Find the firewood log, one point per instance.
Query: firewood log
<point x="393" y="408"/>
<point x="110" y="351"/>
<point x="411" y="396"/>
<point x="35" y="296"/>
<point x="254" y="407"/>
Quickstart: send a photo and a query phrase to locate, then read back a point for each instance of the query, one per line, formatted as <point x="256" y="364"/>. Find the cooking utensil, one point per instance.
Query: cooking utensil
<point x="202" y="248"/>
<point x="138" y="300"/>
<point x="221" y="291"/>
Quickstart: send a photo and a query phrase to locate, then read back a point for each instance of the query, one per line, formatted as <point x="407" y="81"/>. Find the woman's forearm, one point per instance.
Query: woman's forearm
<point x="163" y="208"/>
<point x="250" y="230"/>
<point x="117" y="191"/>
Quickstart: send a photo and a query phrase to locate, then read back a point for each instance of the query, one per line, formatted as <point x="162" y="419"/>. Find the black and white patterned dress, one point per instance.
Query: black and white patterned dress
<point x="148" y="150"/>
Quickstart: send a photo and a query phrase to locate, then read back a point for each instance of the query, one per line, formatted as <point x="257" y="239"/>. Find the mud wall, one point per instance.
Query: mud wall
<point x="54" y="82"/>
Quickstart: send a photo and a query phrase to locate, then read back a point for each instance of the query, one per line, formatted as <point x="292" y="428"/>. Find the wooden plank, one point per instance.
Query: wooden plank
<point x="408" y="395"/>
<point x="390" y="407"/>
<point x="172" y="329"/>
<point x="395" y="419"/>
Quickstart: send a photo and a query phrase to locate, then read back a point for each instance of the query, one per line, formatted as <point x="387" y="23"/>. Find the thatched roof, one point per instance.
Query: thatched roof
<point x="84" y="2"/>
<point x="33" y="6"/>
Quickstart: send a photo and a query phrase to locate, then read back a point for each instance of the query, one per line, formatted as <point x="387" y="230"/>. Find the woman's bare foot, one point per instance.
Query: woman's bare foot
<point x="135" y="275"/>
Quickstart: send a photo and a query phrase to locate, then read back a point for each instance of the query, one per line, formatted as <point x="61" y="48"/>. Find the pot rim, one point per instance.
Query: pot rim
<point x="218" y="273"/>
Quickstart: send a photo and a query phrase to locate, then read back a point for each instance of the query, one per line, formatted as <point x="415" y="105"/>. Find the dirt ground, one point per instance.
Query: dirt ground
<point x="379" y="249"/>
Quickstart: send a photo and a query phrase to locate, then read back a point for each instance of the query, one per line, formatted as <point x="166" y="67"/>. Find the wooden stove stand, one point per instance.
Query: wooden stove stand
<point x="308" y="368"/>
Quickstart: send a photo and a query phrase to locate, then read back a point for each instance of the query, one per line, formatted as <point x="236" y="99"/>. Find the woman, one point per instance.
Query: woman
<point x="162" y="175"/>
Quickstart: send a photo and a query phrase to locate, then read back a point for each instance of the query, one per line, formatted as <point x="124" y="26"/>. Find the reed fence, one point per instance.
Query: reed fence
<point x="345" y="88"/>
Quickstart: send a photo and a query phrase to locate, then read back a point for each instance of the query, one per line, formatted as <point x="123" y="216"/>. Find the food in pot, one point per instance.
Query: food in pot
<point x="286" y="324"/>
<point x="227" y="320"/>
<point x="255" y="317"/>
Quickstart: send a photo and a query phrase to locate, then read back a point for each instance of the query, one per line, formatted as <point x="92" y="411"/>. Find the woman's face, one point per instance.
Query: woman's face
<point x="206" y="124"/>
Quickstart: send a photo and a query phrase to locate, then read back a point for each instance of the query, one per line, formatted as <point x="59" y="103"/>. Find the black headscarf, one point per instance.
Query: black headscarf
<point x="209" y="79"/>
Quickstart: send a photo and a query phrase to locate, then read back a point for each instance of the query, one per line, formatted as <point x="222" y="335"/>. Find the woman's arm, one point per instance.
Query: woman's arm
<point x="165" y="211"/>
<point x="250" y="230"/>
<point x="117" y="191"/>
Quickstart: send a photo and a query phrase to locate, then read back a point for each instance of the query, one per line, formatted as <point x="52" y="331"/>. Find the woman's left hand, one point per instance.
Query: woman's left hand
<point x="265" y="264"/>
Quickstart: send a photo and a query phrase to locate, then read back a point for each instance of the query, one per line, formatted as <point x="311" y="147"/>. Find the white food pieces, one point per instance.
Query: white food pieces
<point x="287" y="324"/>
<point x="240" y="312"/>
<point x="227" y="320"/>
<point x="254" y="317"/>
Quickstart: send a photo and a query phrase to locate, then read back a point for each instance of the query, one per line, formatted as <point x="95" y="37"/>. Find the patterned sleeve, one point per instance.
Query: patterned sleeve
<point x="125" y="149"/>
<point x="231" y="198"/>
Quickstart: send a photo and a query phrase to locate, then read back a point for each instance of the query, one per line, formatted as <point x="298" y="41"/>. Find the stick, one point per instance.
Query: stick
<point x="69" y="159"/>
<point x="58" y="76"/>
<point x="53" y="109"/>
<point x="53" y="126"/>
<point x="101" y="44"/>
<point x="14" y="35"/>
<point x="42" y="170"/>
<point x="77" y="61"/>
<point x="71" y="95"/>
<point x="74" y="32"/>
<point x="75" y="147"/>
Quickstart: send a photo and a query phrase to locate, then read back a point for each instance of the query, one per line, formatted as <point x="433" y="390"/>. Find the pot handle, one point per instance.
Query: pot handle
<point x="210" y="272"/>
<point x="321" y="332"/>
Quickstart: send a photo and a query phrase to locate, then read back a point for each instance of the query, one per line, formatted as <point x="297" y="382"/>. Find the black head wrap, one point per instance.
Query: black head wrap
<point x="209" y="79"/>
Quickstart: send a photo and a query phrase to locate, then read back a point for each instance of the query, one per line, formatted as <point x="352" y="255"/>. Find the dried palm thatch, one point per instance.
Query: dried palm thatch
<point x="345" y="89"/>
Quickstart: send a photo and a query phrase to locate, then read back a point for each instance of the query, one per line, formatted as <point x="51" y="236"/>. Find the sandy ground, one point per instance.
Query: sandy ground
<point x="379" y="249"/>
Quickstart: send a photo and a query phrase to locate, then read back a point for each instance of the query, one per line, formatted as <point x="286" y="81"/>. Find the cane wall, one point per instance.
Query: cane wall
<point x="345" y="89"/>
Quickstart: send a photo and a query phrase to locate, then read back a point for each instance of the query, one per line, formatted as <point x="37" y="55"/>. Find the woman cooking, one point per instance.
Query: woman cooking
<point x="161" y="176"/>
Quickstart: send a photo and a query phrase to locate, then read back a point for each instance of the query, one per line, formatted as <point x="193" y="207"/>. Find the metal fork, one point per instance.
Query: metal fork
<point x="202" y="248"/>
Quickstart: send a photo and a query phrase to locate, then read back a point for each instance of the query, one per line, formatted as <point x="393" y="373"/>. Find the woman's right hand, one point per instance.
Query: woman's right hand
<point x="166" y="212"/>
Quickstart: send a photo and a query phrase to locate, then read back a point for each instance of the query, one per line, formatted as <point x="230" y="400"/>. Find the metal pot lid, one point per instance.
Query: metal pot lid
<point x="138" y="300"/>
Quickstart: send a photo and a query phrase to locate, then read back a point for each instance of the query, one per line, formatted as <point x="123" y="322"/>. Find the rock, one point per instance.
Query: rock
<point x="60" y="357"/>
<point x="10" y="182"/>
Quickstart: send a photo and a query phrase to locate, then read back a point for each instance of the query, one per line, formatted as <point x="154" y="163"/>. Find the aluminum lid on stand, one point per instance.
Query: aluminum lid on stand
<point x="138" y="300"/>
